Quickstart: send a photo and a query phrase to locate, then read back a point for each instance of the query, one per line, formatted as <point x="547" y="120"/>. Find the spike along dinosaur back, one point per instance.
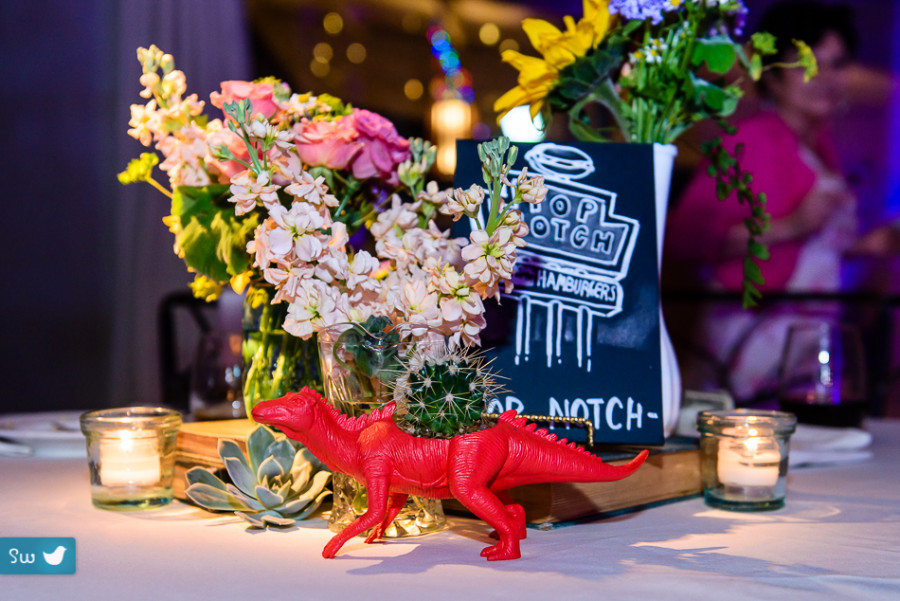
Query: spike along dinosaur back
<point x="476" y="468"/>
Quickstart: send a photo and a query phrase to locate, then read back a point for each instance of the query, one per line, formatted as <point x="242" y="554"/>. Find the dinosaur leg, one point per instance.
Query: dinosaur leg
<point x="515" y="511"/>
<point x="395" y="503"/>
<point x="469" y="474"/>
<point x="377" y="491"/>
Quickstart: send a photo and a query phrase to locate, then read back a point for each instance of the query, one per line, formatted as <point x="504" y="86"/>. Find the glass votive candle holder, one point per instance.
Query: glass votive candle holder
<point x="744" y="458"/>
<point x="131" y="456"/>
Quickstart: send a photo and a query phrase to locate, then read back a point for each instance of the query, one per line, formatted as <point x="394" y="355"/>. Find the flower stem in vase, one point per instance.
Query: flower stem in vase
<point x="275" y="361"/>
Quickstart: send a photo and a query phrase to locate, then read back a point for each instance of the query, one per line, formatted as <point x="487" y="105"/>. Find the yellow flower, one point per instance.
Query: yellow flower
<point x="206" y="288"/>
<point x="596" y="12"/>
<point x="558" y="49"/>
<point x="536" y="79"/>
<point x="807" y="60"/>
<point x="240" y="281"/>
<point x="173" y="222"/>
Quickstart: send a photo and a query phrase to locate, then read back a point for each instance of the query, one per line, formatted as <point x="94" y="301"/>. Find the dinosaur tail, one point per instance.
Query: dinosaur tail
<point x="540" y="457"/>
<point x="585" y="467"/>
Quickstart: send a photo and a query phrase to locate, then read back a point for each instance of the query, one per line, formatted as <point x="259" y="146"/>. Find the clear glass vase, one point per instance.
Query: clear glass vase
<point x="358" y="367"/>
<point x="275" y="362"/>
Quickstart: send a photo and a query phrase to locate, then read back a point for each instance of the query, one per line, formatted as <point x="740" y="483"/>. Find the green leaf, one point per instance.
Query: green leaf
<point x="274" y="519"/>
<point x="229" y="448"/>
<point x="300" y="475"/>
<point x="315" y="488"/>
<point x="285" y="489"/>
<point x="584" y="70"/>
<point x="248" y="500"/>
<point x="708" y="94"/>
<point x="310" y="508"/>
<point x="758" y="250"/>
<point x="212" y="237"/>
<point x="269" y="468"/>
<point x="763" y="42"/>
<point x="283" y="452"/>
<point x="748" y="300"/>
<point x="268" y="498"/>
<point x="240" y="474"/>
<point x="756" y="67"/>
<point x="304" y="456"/>
<point x="251" y="519"/>
<point x="200" y="475"/>
<point x="752" y="271"/>
<point x="717" y="52"/>
<point x="212" y="498"/>
<point x="257" y="443"/>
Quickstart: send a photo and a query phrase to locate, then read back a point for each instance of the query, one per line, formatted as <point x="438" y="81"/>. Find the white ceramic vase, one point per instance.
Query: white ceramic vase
<point x="663" y="163"/>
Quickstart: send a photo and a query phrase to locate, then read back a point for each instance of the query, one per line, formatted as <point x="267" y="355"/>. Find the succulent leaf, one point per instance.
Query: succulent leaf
<point x="212" y="498"/>
<point x="285" y="489"/>
<point x="305" y="456"/>
<point x="269" y="469"/>
<point x="251" y="518"/>
<point x="275" y="519"/>
<point x="263" y="518"/>
<point x="268" y="498"/>
<point x="240" y="474"/>
<point x="247" y="500"/>
<point x="200" y="475"/>
<point x="300" y="477"/>
<point x="257" y="443"/>
<point x="229" y="448"/>
<point x="317" y="484"/>
<point x="283" y="452"/>
<point x="278" y="483"/>
<point x="311" y="508"/>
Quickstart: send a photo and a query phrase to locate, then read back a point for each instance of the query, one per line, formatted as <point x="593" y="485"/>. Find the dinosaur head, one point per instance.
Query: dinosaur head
<point x="292" y="412"/>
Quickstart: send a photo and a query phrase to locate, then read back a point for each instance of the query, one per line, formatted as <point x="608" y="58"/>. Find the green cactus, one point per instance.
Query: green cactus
<point x="278" y="483"/>
<point x="444" y="393"/>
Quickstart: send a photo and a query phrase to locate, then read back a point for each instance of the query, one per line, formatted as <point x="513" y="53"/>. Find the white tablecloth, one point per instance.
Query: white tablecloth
<point x="838" y="537"/>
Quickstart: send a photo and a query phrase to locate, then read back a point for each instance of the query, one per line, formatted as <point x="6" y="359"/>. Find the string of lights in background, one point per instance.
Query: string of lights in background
<point x="453" y="114"/>
<point x="452" y="93"/>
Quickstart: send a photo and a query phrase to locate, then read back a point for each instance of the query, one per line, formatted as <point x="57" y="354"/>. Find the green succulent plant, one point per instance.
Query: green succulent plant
<point x="277" y="483"/>
<point x="445" y="393"/>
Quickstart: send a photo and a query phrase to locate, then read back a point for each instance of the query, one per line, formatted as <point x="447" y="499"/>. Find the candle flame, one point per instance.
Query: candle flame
<point x="126" y="441"/>
<point x="752" y="444"/>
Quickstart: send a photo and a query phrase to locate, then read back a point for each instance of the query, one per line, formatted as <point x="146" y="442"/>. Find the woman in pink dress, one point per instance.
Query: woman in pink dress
<point x="788" y="149"/>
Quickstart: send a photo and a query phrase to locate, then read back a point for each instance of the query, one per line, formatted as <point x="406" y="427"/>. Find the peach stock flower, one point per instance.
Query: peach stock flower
<point x="315" y="306"/>
<point x="246" y="190"/>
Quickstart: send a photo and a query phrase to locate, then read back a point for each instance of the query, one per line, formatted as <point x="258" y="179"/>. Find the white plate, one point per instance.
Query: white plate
<point x="48" y="434"/>
<point x="822" y="445"/>
<point x="822" y="438"/>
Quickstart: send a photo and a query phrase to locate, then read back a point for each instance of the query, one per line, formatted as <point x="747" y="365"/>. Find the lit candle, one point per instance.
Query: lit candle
<point x="750" y="461"/>
<point x="129" y="459"/>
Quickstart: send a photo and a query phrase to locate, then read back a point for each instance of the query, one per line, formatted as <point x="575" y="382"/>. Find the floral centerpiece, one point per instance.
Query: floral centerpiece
<point x="322" y="213"/>
<point x="654" y="68"/>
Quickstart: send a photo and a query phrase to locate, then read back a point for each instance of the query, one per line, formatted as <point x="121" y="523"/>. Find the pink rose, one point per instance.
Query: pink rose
<point x="226" y="169"/>
<point x="331" y="144"/>
<point x="383" y="149"/>
<point x="261" y="96"/>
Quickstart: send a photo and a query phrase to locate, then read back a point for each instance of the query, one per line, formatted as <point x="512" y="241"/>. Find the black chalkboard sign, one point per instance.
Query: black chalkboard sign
<point x="579" y="336"/>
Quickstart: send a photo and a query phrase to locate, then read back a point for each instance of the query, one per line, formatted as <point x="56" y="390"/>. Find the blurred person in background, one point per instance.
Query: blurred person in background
<point x="788" y="148"/>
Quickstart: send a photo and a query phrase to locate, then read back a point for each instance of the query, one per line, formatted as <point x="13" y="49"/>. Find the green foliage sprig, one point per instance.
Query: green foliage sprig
<point x="730" y="177"/>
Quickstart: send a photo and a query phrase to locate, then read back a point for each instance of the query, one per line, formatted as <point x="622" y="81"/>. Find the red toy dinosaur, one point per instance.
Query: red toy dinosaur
<point x="476" y="468"/>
